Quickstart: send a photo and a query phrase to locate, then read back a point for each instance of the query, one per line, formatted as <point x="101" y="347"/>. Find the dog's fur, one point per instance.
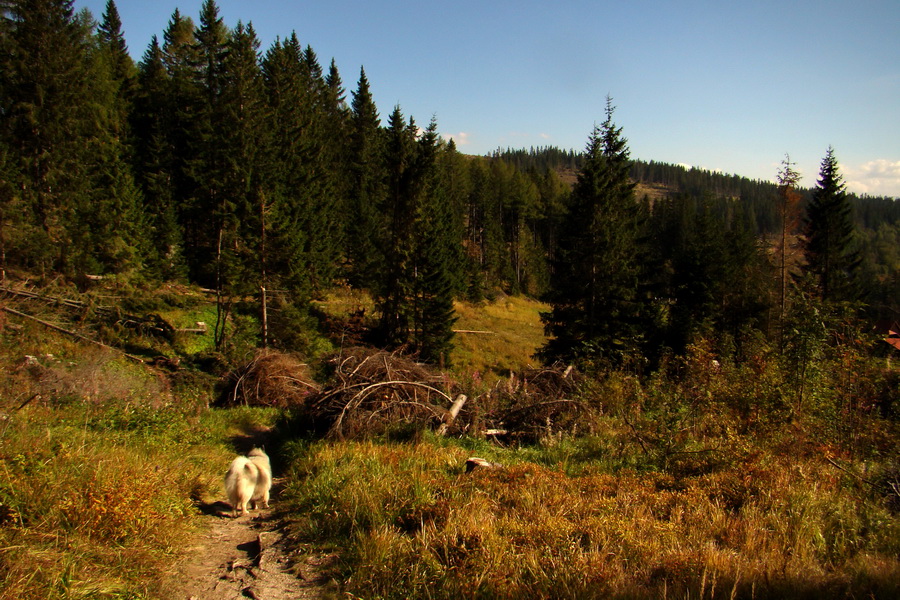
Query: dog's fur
<point x="248" y="481"/>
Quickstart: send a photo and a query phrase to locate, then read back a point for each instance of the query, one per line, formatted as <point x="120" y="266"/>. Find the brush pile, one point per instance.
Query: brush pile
<point x="373" y="391"/>
<point x="270" y="379"/>
<point x="537" y="404"/>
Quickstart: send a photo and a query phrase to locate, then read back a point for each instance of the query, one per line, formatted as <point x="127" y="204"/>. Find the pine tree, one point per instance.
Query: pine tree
<point x="246" y="194"/>
<point x="366" y="188"/>
<point x="177" y="118"/>
<point x="111" y="223"/>
<point x="306" y="202"/>
<point x="290" y="120"/>
<point x="121" y="67"/>
<point x="450" y="191"/>
<point x="212" y="259"/>
<point x="13" y="216"/>
<point x="434" y="256"/>
<point x="748" y="275"/>
<point x="596" y="312"/>
<point x="196" y="59"/>
<point x="830" y="256"/>
<point x="394" y="286"/>
<point x="698" y="265"/>
<point x="154" y="163"/>
<point x="46" y="109"/>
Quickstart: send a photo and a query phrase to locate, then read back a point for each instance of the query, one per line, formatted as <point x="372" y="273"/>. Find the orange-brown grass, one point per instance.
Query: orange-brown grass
<point x="412" y="524"/>
<point x="101" y="462"/>
<point x="97" y="500"/>
<point x="80" y="514"/>
<point x="515" y="333"/>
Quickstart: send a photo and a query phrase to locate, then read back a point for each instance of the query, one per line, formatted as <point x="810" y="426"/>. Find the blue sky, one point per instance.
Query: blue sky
<point x="730" y="86"/>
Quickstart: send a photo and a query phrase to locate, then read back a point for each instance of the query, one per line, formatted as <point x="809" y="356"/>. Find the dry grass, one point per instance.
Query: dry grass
<point x="515" y="334"/>
<point x="417" y="526"/>
<point x="101" y="463"/>
<point x="695" y="483"/>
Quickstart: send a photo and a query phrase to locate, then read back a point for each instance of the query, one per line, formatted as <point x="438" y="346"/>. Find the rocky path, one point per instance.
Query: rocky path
<point x="244" y="557"/>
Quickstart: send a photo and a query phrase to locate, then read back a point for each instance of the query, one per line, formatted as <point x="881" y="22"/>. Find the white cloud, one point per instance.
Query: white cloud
<point x="880" y="177"/>
<point x="460" y="139"/>
<point x="545" y="136"/>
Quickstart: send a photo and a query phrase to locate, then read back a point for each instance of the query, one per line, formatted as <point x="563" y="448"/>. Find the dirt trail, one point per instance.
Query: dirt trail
<point x="244" y="558"/>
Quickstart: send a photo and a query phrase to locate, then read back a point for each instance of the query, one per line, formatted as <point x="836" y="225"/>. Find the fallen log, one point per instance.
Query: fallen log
<point x="452" y="414"/>
<point x="71" y="333"/>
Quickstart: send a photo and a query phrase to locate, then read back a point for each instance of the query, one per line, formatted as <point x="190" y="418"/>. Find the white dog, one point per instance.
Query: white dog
<point x="248" y="480"/>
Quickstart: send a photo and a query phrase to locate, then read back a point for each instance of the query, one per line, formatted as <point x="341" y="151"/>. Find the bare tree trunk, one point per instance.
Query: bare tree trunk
<point x="265" y="316"/>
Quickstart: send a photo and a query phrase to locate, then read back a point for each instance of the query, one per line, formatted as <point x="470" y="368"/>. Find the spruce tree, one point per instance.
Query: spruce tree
<point x="595" y="310"/>
<point x="829" y="253"/>
<point x="290" y="119"/>
<point x="305" y="202"/>
<point x="246" y="194"/>
<point x="698" y="260"/>
<point x="47" y="107"/>
<point x="122" y="69"/>
<point x="436" y="241"/>
<point x="154" y="163"/>
<point x="366" y="188"/>
<point x="748" y="275"/>
<point x="178" y="121"/>
<point x="13" y="215"/>
<point x="112" y="222"/>
<point x="394" y="286"/>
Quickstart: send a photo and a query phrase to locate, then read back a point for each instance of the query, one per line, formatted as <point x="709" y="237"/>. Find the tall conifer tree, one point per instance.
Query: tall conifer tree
<point x="436" y="239"/>
<point x="829" y="252"/>
<point x="121" y="67"/>
<point x="154" y="160"/>
<point x="367" y="188"/>
<point x="46" y="111"/>
<point x="394" y="287"/>
<point x="178" y="120"/>
<point x="596" y="312"/>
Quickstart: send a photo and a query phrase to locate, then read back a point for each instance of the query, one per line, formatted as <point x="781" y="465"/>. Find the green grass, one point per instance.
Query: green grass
<point x="507" y="332"/>
<point x="102" y="462"/>
<point x="515" y="333"/>
<point x="702" y="485"/>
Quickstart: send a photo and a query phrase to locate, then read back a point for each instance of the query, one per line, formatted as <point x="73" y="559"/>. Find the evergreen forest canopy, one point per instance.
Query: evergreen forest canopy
<point x="214" y="162"/>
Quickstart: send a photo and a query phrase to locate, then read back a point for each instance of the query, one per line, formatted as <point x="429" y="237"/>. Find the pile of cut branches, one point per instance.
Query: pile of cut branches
<point x="373" y="391"/>
<point x="537" y="404"/>
<point x="270" y="379"/>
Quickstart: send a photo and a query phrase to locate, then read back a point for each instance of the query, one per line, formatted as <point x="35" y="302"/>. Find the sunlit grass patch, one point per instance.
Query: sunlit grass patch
<point x="413" y="524"/>
<point x="98" y="494"/>
<point x="513" y="333"/>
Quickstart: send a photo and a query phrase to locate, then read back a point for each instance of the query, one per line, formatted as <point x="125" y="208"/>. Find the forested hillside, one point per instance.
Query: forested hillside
<point x="253" y="172"/>
<point x="674" y="383"/>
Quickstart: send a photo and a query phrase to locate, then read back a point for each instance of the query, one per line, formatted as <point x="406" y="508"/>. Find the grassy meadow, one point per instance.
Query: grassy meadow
<point x="708" y="479"/>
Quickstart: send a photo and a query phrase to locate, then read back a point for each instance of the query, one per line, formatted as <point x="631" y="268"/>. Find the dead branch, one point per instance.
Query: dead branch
<point x="71" y="333"/>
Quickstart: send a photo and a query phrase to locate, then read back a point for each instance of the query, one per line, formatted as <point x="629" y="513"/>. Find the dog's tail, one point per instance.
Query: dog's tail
<point x="241" y="470"/>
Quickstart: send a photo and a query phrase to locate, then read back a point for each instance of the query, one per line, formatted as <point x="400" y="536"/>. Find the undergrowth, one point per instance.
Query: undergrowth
<point x="410" y="523"/>
<point x="702" y="481"/>
<point x="103" y="463"/>
<point x="713" y="477"/>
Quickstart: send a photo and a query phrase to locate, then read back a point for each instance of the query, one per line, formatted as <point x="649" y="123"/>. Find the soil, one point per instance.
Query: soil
<point x="244" y="557"/>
